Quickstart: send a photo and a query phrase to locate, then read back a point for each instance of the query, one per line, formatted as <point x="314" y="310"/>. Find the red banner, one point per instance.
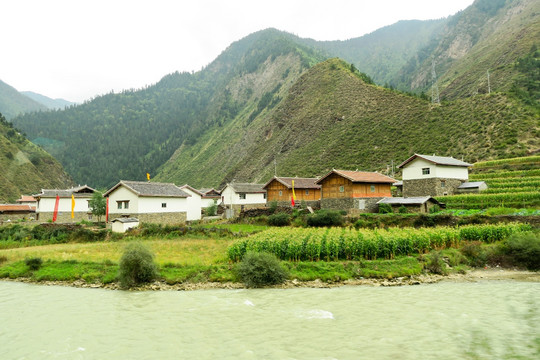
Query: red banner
<point x="55" y="214"/>
<point x="107" y="211"/>
<point x="292" y="201"/>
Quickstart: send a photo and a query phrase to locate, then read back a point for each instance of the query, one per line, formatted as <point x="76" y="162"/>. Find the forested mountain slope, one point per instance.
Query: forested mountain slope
<point x="333" y="118"/>
<point x="24" y="167"/>
<point x="47" y="101"/>
<point x="13" y="103"/>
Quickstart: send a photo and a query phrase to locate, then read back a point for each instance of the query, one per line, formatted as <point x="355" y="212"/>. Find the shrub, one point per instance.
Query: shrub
<point x="403" y="209"/>
<point x="212" y="210"/>
<point x="435" y="263"/>
<point x="34" y="263"/>
<point x="3" y="259"/>
<point x="475" y="254"/>
<point x="434" y="209"/>
<point x="136" y="266"/>
<point x="524" y="249"/>
<point x="325" y="218"/>
<point x="261" y="269"/>
<point x="272" y="206"/>
<point x="279" y="219"/>
<point x="385" y="209"/>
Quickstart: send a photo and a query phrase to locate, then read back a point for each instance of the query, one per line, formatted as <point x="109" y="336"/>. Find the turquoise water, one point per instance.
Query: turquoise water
<point x="484" y="320"/>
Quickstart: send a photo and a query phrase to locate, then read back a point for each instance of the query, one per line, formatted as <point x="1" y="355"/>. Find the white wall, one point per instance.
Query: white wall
<point x="194" y="205"/>
<point x="149" y="205"/>
<point x="206" y="202"/>
<point x="413" y="171"/>
<point x="64" y="205"/>
<point x="123" y="194"/>
<point x="230" y="197"/>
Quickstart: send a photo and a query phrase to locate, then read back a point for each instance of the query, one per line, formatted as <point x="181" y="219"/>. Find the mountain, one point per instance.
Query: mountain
<point x="13" y="103"/>
<point x="47" y="101"/>
<point x="26" y="168"/>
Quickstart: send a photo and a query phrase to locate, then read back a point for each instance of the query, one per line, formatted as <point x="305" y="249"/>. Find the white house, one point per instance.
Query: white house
<point x="152" y="202"/>
<point x="433" y="175"/>
<point x="194" y="203"/>
<point x="46" y="202"/>
<point x="243" y="195"/>
<point x="210" y="197"/>
<point x="121" y="225"/>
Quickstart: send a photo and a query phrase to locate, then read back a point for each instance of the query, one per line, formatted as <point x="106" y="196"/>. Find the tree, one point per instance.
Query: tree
<point x="98" y="205"/>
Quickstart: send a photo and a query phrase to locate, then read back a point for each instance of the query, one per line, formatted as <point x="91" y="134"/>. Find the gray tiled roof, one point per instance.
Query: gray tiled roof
<point x="299" y="183"/>
<point x="439" y="160"/>
<point x="145" y="188"/>
<point x="79" y="191"/>
<point x="418" y="200"/>
<point x="471" y="185"/>
<point x="247" y="188"/>
<point x="126" y="220"/>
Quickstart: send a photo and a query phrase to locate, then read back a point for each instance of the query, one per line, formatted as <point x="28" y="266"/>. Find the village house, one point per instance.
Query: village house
<point x="418" y="204"/>
<point x="280" y="189"/>
<point x="210" y="197"/>
<point x="354" y="191"/>
<point x="13" y="212"/>
<point x="471" y="187"/>
<point x="46" y="202"/>
<point x="433" y="175"/>
<point x="27" y="200"/>
<point x="239" y="196"/>
<point x="194" y="203"/>
<point x="150" y="202"/>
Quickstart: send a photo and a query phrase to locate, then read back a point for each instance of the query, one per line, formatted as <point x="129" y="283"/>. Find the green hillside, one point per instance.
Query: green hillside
<point x="13" y="103"/>
<point x="333" y="118"/>
<point x="26" y="168"/>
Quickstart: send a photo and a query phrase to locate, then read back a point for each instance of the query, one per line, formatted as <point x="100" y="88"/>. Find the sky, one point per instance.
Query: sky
<point x="80" y="49"/>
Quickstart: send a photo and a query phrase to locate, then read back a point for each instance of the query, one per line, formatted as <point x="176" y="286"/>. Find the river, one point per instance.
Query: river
<point x="480" y="320"/>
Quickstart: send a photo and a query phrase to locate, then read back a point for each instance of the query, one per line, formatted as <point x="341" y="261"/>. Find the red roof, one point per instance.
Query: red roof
<point x="26" y="198"/>
<point x="360" y="177"/>
<point x="16" y="208"/>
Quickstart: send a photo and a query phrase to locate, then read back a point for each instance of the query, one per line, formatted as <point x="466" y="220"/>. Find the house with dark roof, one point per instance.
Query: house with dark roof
<point x="280" y="189"/>
<point x="46" y="202"/>
<point x="243" y="196"/>
<point x="417" y="204"/>
<point x="210" y="197"/>
<point x="354" y="191"/>
<point x="151" y="202"/>
<point x="432" y="175"/>
<point x="194" y="202"/>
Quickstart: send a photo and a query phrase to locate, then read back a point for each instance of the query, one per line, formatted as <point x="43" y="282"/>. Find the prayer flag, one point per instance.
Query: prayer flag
<point x="107" y="211"/>
<point x="148" y="176"/>
<point x="55" y="213"/>
<point x="72" y="206"/>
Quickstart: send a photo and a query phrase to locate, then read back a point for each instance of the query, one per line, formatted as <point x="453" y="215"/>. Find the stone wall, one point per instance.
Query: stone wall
<point x="315" y="204"/>
<point x="352" y="205"/>
<point x="17" y="216"/>
<point x="430" y="187"/>
<point x="171" y="218"/>
<point x="65" y="217"/>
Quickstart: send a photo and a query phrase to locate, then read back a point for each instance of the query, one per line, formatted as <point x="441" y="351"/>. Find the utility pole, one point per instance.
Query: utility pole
<point x="434" y="87"/>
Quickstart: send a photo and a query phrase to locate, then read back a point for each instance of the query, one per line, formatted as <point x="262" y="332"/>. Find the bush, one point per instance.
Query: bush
<point x="136" y="266"/>
<point x="325" y="218"/>
<point x="212" y="210"/>
<point x="3" y="259"/>
<point x="385" y="209"/>
<point x="403" y="209"/>
<point x="279" y="219"/>
<point x="435" y="263"/>
<point x="261" y="269"/>
<point x="34" y="263"/>
<point x="524" y="249"/>
<point x="475" y="254"/>
<point x="272" y="206"/>
<point x="434" y="209"/>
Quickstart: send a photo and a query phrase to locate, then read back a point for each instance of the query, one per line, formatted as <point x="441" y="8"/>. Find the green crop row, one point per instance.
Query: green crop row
<point x="479" y="201"/>
<point x="515" y="189"/>
<point x="519" y="160"/>
<point x="510" y="183"/>
<point x="505" y="174"/>
<point x="331" y="244"/>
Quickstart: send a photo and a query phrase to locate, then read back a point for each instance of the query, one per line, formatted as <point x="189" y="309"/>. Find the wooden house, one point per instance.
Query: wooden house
<point x="354" y="191"/>
<point x="430" y="175"/>
<point x="280" y="189"/>
<point x="151" y="202"/>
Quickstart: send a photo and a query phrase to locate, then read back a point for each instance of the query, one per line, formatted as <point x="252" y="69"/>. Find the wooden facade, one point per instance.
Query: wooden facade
<point x="280" y="189"/>
<point x="337" y="185"/>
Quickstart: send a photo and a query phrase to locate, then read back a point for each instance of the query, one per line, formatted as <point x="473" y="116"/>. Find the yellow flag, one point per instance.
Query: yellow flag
<point x="293" y="194"/>
<point x="72" y="206"/>
<point x="148" y="176"/>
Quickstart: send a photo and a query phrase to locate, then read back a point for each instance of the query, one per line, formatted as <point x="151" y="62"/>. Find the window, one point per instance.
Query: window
<point x="425" y="171"/>
<point x="361" y="204"/>
<point x="342" y="188"/>
<point x="372" y="188"/>
<point x="307" y="191"/>
<point x="264" y="196"/>
<point x="163" y="205"/>
<point x="123" y="204"/>
<point x="443" y="183"/>
<point x="280" y="193"/>
<point x="242" y="196"/>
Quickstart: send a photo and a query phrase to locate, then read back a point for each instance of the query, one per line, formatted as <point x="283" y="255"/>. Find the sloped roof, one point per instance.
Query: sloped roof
<point x="418" y="200"/>
<point x="439" y="160"/>
<point x="124" y="220"/>
<point x="79" y="191"/>
<point x="186" y="186"/>
<point x="471" y="185"/>
<point x="361" y="177"/>
<point x="16" y="208"/>
<point x="26" y="198"/>
<point x="205" y="191"/>
<point x="299" y="183"/>
<point x="247" y="188"/>
<point x="145" y="188"/>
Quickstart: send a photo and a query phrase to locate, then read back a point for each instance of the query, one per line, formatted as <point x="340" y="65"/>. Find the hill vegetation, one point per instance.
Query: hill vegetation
<point x="13" y="103"/>
<point x="25" y="168"/>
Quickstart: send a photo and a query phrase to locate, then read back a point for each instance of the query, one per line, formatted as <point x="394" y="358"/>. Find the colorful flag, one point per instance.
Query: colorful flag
<point x="55" y="213"/>
<point x="107" y="211"/>
<point x="148" y="176"/>
<point x="292" y="201"/>
<point x="293" y="194"/>
<point x="72" y="206"/>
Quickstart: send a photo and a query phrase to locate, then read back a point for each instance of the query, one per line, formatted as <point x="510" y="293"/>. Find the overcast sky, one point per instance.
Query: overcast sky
<point x="78" y="49"/>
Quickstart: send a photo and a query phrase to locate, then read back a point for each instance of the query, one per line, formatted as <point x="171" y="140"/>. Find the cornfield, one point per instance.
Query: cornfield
<point x="332" y="244"/>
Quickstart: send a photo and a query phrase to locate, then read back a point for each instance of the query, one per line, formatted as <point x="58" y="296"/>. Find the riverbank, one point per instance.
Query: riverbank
<point x="475" y="275"/>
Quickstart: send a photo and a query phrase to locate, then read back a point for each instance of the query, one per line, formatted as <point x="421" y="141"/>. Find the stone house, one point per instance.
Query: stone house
<point x="280" y="189"/>
<point x="46" y="202"/>
<point x="471" y="187"/>
<point x="417" y="204"/>
<point x="14" y="212"/>
<point x="354" y="191"/>
<point x="425" y="175"/>
<point x="239" y="196"/>
<point x="150" y="202"/>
